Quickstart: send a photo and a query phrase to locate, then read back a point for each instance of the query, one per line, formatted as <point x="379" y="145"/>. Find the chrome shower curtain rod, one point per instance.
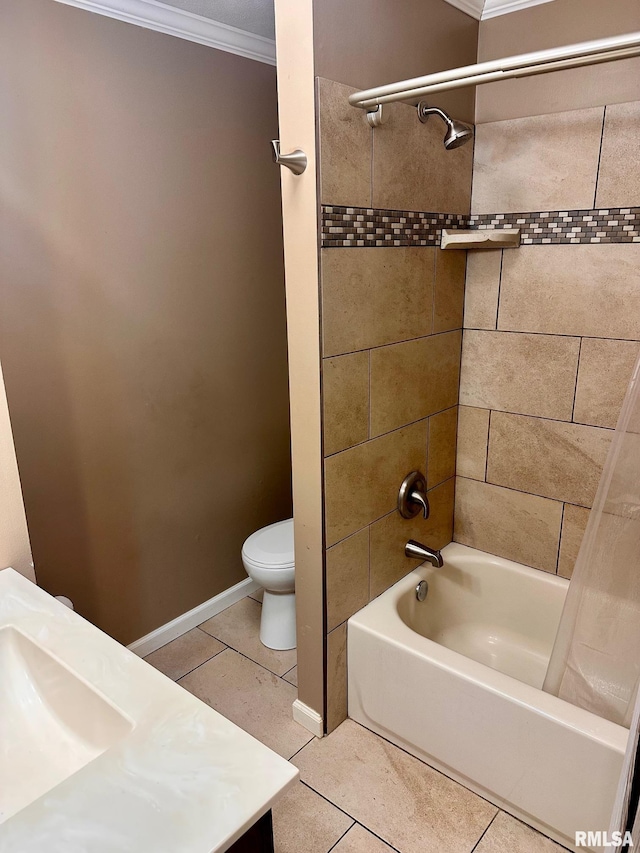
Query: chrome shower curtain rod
<point x="525" y="65"/>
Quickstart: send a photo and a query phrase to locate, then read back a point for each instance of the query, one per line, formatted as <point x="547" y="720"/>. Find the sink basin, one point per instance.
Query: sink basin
<point x="101" y="752"/>
<point x="53" y="723"/>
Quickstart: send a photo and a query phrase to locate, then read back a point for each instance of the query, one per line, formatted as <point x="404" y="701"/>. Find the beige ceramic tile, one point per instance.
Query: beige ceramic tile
<point x="239" y="627"/>
<point x="441" y="458"/>
<point x="482" y="287"/>
<point x="586" y="290"/>
<point x="412" y="170"/>
<point x="524" y="528"/>
<point x="537" y="163"/>
<point x="336" y="677"/>
<point x="508" y="834"/>
<point x="292" y="676"/>
<point x="347" y="578"/>
<point x="548" y="458"/>
<point x="403" y="801"/>
<point x="345" y="393"/>
<point x="303" y="820"/>
<point x="360" y="840"/>
<point x="448" y="302"/>
<point x="372" y="297"/>
<point x="391" y="534"/>
<point x="514" y="372"/>
<point x="412" y="380"/>
<point x="574" y="524"/>
<point x="603" y="378"/>
<point x="185" y="653"/>
<point x="257" y="595"/>
<point x="252" y="698"/>
<point x="619" y="175"/>
<point x="473" y="439"/>
<point x="361" y="484"/>
<point x="345" y="147"/>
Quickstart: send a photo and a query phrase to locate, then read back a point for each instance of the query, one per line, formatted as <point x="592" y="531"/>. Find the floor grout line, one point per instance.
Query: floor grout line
<point x="485" y="832"/>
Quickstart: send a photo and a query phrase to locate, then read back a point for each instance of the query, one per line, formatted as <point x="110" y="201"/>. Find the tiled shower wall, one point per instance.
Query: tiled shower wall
<point x="551" y="330"/>
<point x="391" y="337"/>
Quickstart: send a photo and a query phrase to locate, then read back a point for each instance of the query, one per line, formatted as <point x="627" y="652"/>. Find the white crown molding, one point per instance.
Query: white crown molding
<point x="471" y="7"/>
<point x="483" y="9"/>
<point x="493" y="8"/>
<point x="185" y="25"/>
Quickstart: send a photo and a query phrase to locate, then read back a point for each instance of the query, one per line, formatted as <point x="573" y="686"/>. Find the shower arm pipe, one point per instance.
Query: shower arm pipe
<point x="524" y="65"/>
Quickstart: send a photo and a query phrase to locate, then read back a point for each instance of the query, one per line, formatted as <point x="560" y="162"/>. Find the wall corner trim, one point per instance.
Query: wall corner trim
<point x="172" y="21"/>
<point x="493" y="8"/>
<point x="307" y="717"/>
<point x="181" y="624"/>
<point x="471" y="7"/>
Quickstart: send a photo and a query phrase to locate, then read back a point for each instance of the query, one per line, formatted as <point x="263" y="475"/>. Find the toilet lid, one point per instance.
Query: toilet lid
<point x="271" y="546"/>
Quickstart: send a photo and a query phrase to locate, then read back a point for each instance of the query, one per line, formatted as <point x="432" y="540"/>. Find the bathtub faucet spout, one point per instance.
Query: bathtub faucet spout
<point x="422" y="552"/>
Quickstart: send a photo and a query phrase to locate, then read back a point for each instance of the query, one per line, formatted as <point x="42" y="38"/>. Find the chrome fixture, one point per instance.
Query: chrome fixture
<point x="421" y="590"/>
<point x="457" y="132"/>
<point x="412" y="496"/>
<point x="296" y="161"/>
<point x="417" y="551"/>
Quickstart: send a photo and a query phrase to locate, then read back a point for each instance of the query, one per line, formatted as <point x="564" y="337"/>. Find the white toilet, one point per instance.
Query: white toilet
<point x="268" y="559"/>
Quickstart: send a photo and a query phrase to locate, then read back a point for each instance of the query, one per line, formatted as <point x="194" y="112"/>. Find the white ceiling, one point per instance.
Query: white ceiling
<point x="252" y="16"/>
<point x="483" y="9"/>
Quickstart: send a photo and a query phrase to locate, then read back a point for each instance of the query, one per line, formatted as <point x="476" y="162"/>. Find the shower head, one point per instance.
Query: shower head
<point x="457" y="132"/>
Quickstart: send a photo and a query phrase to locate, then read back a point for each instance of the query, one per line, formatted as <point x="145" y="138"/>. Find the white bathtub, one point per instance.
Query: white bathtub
<point x="456" y="680"/>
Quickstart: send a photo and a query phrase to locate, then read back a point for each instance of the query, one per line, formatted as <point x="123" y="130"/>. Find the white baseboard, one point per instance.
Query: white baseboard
<point x="307" y="717"/>
<point x="181" y="624"/>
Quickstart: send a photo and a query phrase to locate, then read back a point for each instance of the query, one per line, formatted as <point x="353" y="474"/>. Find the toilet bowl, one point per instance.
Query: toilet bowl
<point x="267" y="556"/>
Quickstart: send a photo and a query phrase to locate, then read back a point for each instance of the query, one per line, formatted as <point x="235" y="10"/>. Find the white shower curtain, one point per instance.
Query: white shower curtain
<point x="596" y="657"/>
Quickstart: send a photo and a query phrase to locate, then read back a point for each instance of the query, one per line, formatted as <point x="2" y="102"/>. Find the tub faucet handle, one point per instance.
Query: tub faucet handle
<point x="412" y="497"/>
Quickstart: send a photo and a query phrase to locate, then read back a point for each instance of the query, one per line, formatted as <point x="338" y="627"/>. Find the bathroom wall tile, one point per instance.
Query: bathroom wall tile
<point x="548" y="458"/>
<point x="441" y="457"/>
<point x="515" y="372"/>
<point x="414" y="379"/>
<point x="473" y="439"/>
<point x="574" y="524"/>
<point x="185" y="653"/>
<point x="345" y="147"/>
<point x="372" y="297"/>
<point x="361" y="484"/>
<point x="345" y="394"/>
<point x="412" y="170"/>
<point x="360" y="840"/>
<point x="606" y="367"/>
<point x="347" y="578"/>
<point x="394" y="795"/>
<point x="481" y="289"/>
<point x="589" y="290"/>
<point x="292" y="676"/>
<point x="448" y="303"/>
<point x="391" y="534"/>
<point x="619" y="175"/>
<point x="517" y="162"/>
<point x="252" y="698"/>
<point x="521" y="527"/>
<point x="507" y="833"/>
<point x="303" y="820"/>
<point x="239" y="627"/>
<point x="336" y="677"/>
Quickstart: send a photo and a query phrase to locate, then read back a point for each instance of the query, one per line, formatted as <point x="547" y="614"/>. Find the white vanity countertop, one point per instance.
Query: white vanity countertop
<point x="184" y="779"/>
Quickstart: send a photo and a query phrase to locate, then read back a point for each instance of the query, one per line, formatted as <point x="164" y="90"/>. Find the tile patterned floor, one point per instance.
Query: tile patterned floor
<point x="358" y="793"/>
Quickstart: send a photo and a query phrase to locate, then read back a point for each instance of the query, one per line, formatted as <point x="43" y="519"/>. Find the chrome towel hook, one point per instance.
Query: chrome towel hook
<point x="296" y="161"/>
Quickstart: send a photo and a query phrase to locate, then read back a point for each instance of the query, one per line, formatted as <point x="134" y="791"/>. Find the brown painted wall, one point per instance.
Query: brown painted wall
<point x="553" y="25"/>
<point x="365" y="43"/>
<point x="142" y="324"/>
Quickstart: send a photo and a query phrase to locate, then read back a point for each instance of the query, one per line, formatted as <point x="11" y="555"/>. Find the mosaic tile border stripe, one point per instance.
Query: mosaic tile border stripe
<point x="352" y="227"/>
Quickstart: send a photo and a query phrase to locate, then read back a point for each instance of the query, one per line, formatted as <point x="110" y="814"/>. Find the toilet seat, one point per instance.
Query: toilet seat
<point x="271" y="547"/>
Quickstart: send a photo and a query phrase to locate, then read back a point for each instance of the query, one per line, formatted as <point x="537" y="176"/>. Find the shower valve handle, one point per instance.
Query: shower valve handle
<point x="412" y="497"/>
